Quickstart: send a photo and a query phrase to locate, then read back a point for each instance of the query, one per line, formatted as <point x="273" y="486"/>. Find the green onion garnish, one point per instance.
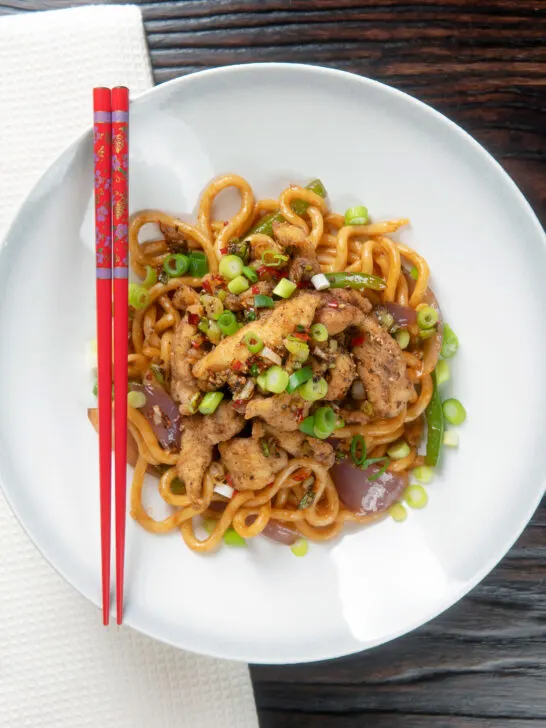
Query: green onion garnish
<point x="454" y="412"/>
<point x="210" y="402"/>
<point x="451" y="438"/>
<point x="397" y="512"/>
<point x="151" y="277"/>
<point x="357" y="281"/>
<point x="414" y="273"/>
<point x="199" y="265"/>
<point x="138" y="296"/>
<point x="427" y="317"/>
<point x="313" y="390"/>
<point x="250" y="273"/>
<point x="232" y="538"/>
<point x="358" y="450"/>
<point x="261" y="301"/>
<point x="386" y="462"/>
<point x="176" y="265"/>
<point x="319" y="332"/>
<point x="450" y="342"/>
<point x="423" y="474"/>
<point x="227" y="323"/>
<point x="260" y="381"/>
<point x="214" y="333"/>
<point x="356" y="215"/>
<point x="253" y="343"/>
<point x="230" y="266"/>
<point x="298" y="378"/>
<point x="213" y="306"/>
<point x="298" y="348"/>
<point x="308" y="426"/>
<point x="403" y="338"/>
<point x="272" y="259"/>
<point x="238" y="285"/>
<point x="203" y="325"/>
<point x="300" y="548"/>
<point x="399" y="450"/>
<point x="415" y="496"/>
<point x="276" y="380"/>
<point x="325" y="422"/>
<point x="193" y="404"/>
<point x="284" y="288"/>
<point x="442" y="372"/>
<point x="158" y="373"/>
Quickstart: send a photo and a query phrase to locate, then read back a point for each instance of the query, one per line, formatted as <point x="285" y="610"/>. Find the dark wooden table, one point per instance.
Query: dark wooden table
<point x="483" y="63"/>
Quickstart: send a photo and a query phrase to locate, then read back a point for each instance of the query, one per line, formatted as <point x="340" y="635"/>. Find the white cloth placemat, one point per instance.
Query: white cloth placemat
<point x="59" y="668"/>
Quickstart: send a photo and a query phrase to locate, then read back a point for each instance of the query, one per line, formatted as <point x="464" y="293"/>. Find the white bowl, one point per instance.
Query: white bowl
<point x="370" y="144"/>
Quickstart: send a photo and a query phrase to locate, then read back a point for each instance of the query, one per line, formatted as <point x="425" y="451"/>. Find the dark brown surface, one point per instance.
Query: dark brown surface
<point x="482" y="663"/>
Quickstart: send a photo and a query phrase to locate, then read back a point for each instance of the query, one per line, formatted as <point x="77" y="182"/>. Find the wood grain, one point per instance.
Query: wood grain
<point x="482" y="664"/>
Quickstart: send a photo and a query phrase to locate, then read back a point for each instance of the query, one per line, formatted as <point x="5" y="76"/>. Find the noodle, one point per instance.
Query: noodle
<point x="353" y="248"/>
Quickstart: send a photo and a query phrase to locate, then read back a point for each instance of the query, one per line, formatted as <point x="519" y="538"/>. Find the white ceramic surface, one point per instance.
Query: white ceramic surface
<point x="276" y="124"/>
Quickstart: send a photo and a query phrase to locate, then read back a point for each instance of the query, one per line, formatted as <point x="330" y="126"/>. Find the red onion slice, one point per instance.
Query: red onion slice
<point x="162" y="413"/>
<point x="277" y="531"/>
<point x="362" y="495"/>
<point x="403" y="315"/>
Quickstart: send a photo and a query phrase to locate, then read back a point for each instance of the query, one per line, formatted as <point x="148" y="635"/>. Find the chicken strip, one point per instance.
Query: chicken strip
<point x="247" y="464"/>
<point x="272" y="329"/>
<point x="340" y="308"/>
<point x="183" y="384"/>
<point x="341" y="377"/>
<point x="284" y="411"/>
<point x="299" y="445"/>
<point x="199" y="436"/>
<point x="382" y="369"/>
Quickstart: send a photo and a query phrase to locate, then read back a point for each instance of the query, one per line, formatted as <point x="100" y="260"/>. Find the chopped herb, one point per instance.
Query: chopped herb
<point x="307" y="500"/>
<point x="265" y="447"/>
<point x="158" y="373"/>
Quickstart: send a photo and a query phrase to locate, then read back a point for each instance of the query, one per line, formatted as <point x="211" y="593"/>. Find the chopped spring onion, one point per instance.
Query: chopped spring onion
<point x="320" y="282"/>
<point x="210" y="402"/>
<point x="265" y="447"/>
<point x="203" y="325"/>
<point x="386" y="462"/>
<point x="358" y="281"/>
<point x="151" y="277"/>
<point x="193" y="404"/>
<point x="176" y="265"/>
<point x="451" y="438"/>
<point x="232" y="538"/>
<point x="298" y="378"/>
<point x="414" y="273"/>
<point x="158" y="373"/>
<point x="261" y="301"/>
<point x="253" y="343"/>
<point x="358" y="450"/>
<point x="415" y="496"/>
<point x="214" y="333"/>
<point x="260" y="381"/>
<point x="450" y="342"/>
<point x="423" y="474"/>
<point x="268" y="353"/>
<point x="442" y="372"/>
<point x="454" y="412"/>
<point x="427" y="317"/>
<point x="313" y="390"/>
<point x="276" y="380"/>
<point x="230" y="267"/>
<point x="238" y="285"/>
<point x="227" y="323"/>
<point x="299" y="349"/>
<point x="213" y="306"/>
<point x="221" y="295"/>
<point x="300" y="548"/>
<point x="199" y="264"/>
<point x="398" y="513"/>
<point x="136" y="399"/>
<point x="325" y="422"/>
<point x="250" y="273"/>
<point x="308" y="426"/>
<point x="284" y="288"/>
<point x="138" y="296"/>
<point x="403" y="338"/>
<point x="272" y="259"/>
<point x="224" y="489"/>
<point x="319" y="332"/>
<point x="399" y="450"/>
<point x="357" y="215"/>
<point x="426" y="333"/>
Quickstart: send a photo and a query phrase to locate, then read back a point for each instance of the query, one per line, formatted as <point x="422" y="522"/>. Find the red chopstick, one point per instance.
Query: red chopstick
<point x="120" y="205"/>
<point x="103" y="252"/>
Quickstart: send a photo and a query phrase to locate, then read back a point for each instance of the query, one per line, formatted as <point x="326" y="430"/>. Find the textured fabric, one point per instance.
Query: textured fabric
<point x="59" y="668"/>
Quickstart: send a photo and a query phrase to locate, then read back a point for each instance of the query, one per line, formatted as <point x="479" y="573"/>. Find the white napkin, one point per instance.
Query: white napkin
<point x="59" y="668"/>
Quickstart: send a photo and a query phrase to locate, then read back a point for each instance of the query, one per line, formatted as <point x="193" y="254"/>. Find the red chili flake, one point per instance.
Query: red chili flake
<point x="237" y="366"/>
<point x="301" y="336"/>
<point x="300" y="475"/>
<point x="193" y="319"/>
<point x="229" y="480"/>
<point x="196" y="343"/>
<point x="358" y="340"/>
<point x="332" y="304"/>
<point x="261" y="270"/>
<point x="255" y="289"/>
<point x="223" y="251"/>
<point x="304" y="284"/>
<point x="207" y="286"/>
<point x="235" y="492"/>
<point x="299" y="415"/>
<point x="239" y="405"/>
<point x="226" y="223"/>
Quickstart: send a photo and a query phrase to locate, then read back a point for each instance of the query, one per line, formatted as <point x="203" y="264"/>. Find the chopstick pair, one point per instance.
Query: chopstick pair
<point x="111" y="153"/>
